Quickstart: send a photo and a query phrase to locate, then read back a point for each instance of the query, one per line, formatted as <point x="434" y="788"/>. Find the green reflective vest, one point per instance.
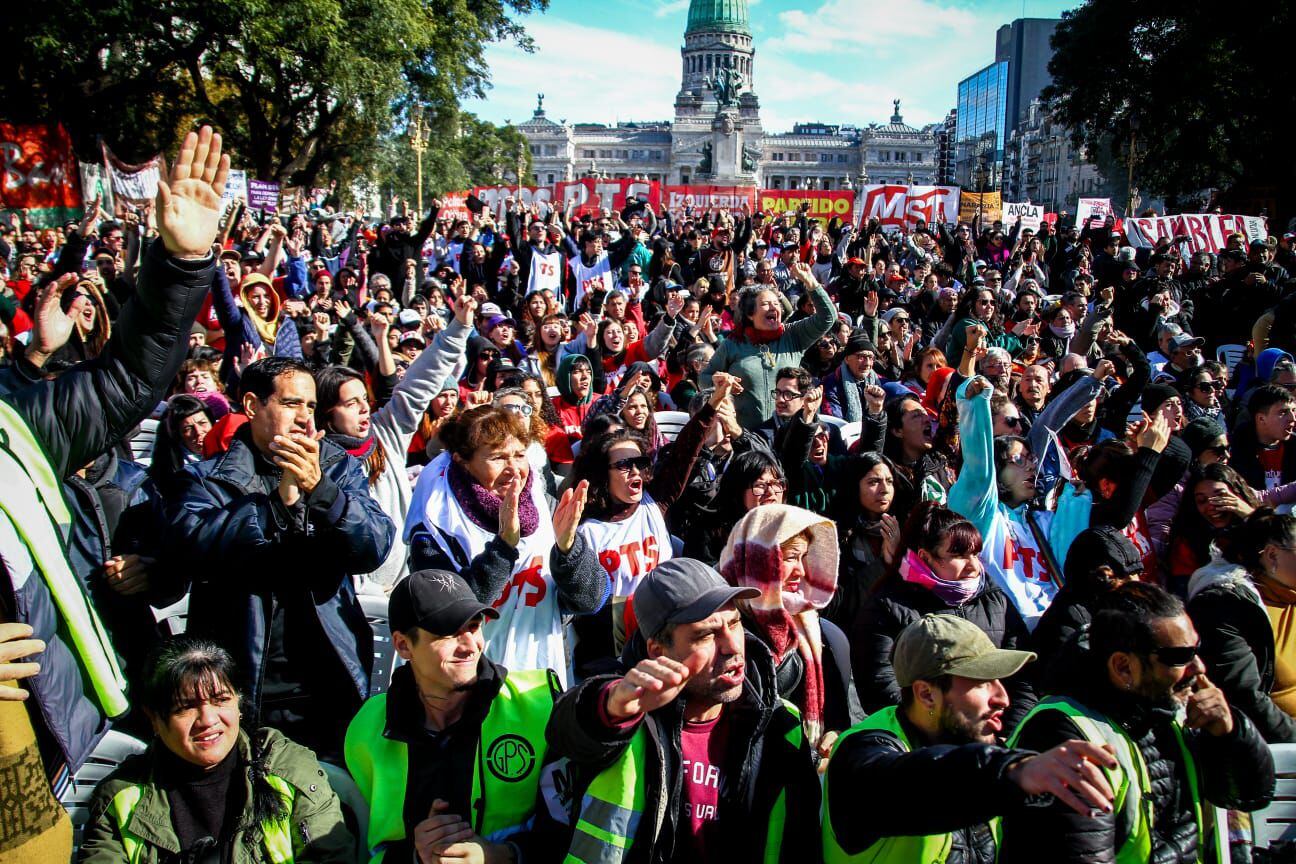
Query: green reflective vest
<point x="275" y="833"/>
<point x="1133" y="805"/>
<point x="31" y="496"/>
<point x="932" y="849"/>
<point x="506" y="774"/>
<point x="613" y="806"/>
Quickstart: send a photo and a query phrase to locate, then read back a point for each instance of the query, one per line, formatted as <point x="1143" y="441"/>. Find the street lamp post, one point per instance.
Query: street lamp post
<point x="1133" y="200"/>
<point x="419" y="133"/>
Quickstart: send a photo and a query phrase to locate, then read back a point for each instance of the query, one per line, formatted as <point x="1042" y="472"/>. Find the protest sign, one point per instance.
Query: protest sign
<point x="698" y="198"/>
<point x="1205" y="232"/>
<point x="1093" y="211"/>
<point x="589" y="195"/>
<point x="903" y="207"/>
<point x="1029" y="215"/>
<point x="495" y="197"/>
<point x="454" y="205"/>
<point x="263" y="195"/>
<point x="39" y="173"/>
<point x="990" y="203"/>
<point x="825" y="204"/>
<point x="235" y="186"/>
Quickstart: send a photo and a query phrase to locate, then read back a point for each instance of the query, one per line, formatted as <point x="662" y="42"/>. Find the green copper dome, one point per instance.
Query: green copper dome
<point x="723" y="15"/>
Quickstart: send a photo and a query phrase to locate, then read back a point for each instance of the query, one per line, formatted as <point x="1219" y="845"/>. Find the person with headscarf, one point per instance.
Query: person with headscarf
<point x="790" y="556"/>
<point x="578" y="379"/>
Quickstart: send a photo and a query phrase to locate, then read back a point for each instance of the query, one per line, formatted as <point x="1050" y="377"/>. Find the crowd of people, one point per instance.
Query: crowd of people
<point x="967" y="551"/>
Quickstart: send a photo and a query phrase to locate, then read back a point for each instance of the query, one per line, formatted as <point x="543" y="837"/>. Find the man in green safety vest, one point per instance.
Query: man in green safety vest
<point x="690" y="755"/>
<point x="450" y="757"/>
<point x="1141" y="691"/>
<point x="895" y="785"/>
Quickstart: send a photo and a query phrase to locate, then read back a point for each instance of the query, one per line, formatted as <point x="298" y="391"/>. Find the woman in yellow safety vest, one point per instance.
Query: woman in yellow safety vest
<point x="206" y="787"/>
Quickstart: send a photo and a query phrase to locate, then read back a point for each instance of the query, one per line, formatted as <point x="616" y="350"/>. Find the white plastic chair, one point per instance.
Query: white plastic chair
<point x="832" y="421"/>
<point x="1230" y="355"/>
<point x="385" y="658"/>
<point x="141" y="446"/>
<point x="174" y="618"/>
<point x="1135" y="414"/>
<point x="851" y="432"/>
<point x="1278" y="821"/>
<point x="553" y="392"/>
<point x="111" y="751"/>
<point x="669" y="423"/>
<point x="355" y="809"/>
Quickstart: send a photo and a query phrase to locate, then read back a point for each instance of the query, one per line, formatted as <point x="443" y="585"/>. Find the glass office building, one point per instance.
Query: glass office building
<point x="981" y="127"/>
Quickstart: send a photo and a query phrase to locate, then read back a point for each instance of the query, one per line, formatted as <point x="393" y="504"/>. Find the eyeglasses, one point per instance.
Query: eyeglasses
<point x="1025" y="459"/>
<point x="786" y="395"/>
<point x="769" y="487"/>
<point x="522" y="409"/>
<point x="1221" y="451"/>
<point x="636" y="463"/>
<point x="1177" y="655"/>
<point x="1011" y="422"/>
<point x="1210" y="386"/>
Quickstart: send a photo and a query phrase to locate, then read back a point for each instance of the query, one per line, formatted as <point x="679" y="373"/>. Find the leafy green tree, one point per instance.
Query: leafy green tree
<point x="294" y="87"/>
<point x="1199" y="81"/>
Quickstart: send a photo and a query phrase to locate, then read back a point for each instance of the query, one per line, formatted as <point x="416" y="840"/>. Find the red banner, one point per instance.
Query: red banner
<point x="494" y="197"/>
<point x="39" y="173"/>
<point x="1206" y="232"/>
<point x="590" y="196"/>
<point x="825" y="204"/>
<point x="700" y="198"/>
<point x="897" y="207"/>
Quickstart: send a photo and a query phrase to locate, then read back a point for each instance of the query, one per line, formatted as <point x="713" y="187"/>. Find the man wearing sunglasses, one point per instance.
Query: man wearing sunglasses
<point x="1141" y="674"/>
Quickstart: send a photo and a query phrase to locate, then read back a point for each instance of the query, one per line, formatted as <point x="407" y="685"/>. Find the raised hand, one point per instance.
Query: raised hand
<point x="871" y="303"/>
<point x="890" y="537"/>
<point x="189" y="198"/>
<point x="875" y="399"/>
<point x="510" y="526"/>
<point x="297" y="455"/>
<point x="567" y="515"/>
<point x="726" y="386"/>
<point x="342" y="308"/>
<point x="674" y="304"/>
<point x="51" y="327"/>
<point x="647" y="687"/>
<point x="464" y="307"/>
<point x="1155" y="433"/>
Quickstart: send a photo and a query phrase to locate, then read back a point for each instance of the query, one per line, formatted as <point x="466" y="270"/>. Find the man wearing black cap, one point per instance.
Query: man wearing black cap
<point x="692" y="756"/>
<point x="449" y="759"/>
<point x="846" y="387"/>
<point x="884" y="771"/>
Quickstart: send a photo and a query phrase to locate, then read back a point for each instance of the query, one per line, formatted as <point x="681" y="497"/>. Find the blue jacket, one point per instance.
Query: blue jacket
<point x="248" y="553"/>
<point x="78" y="416"/>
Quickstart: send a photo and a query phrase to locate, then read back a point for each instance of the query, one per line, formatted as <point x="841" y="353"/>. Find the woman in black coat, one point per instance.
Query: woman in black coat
<point x="939" y="573"/>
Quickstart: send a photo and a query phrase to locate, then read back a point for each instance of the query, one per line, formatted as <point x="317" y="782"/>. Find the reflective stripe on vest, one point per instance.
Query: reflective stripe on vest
<point x="614" y="803"/>
<point x="929" y="849"/>
<point x="32" y="499"/>
<point x="1133" y="804"/>
<point x="276" y="834"/>
<point x="506" y="772"/>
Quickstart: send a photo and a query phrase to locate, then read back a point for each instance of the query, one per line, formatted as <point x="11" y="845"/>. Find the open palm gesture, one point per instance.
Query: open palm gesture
<point x="189" y="196"/>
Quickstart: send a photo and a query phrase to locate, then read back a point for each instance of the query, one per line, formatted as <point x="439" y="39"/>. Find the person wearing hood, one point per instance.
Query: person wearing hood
<point x="577" y="383"/>
<point x="1248" y="376"/>
<point x="790" y="556"/>
<point x="1243" y="604"/>
<point x="689" y="754"/>
<point x="255" y="321"/>
<point x="939" y="571"/>
<point x="381" y="439"/>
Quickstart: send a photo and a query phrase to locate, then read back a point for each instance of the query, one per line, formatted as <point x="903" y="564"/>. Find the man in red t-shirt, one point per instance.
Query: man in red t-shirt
<point x="1262" y="449"/>
<point x="719" y="758"/>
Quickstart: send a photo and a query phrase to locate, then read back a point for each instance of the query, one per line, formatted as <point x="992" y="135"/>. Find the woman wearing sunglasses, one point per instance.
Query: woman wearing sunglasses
<point x="1243" y="604"/>
<point x="1203" y="396"/>
<point x="625" y="520"/>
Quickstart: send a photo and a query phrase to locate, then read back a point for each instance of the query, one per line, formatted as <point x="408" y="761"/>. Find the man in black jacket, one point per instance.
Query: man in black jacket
<point x="1141" y="673"/>
<point x="942" y="736"/>
<point x="275" y="528"/>
<point x="1263" y="451"/>
<point x="721" y="766"/>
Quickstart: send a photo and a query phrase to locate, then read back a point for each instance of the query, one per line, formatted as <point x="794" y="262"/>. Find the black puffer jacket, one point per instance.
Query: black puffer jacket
<point x="1238" y="645"/>
<point x="841" y="703"/>
<point x="871" y="773"/>
<point x="760" y="762"/>
<point x="1234" y="771"/>
<point x="897" y="605"/>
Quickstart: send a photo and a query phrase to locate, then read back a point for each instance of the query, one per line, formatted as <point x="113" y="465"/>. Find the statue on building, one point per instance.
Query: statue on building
<point x="539" y="105"/>
<point x="704" y="167"/>
<point x="727" y="83"/>
<point x="750" y="156"/>
<point x="727" y="124"/>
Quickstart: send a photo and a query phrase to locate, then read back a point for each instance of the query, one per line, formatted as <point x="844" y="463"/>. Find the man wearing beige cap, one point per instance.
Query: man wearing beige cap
<point x="922" y="781"/>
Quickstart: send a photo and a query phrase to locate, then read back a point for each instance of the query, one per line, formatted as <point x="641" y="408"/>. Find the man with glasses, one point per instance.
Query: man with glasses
<point x="1141" y="675"/>
<point x="793" y="390"/>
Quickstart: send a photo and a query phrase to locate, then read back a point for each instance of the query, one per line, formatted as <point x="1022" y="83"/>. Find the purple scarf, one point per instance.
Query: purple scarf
<point x="483" y="505"/>
<point x="956" y="593"/>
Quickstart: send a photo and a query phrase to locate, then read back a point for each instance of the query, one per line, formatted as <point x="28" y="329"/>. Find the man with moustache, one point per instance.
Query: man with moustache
<point x="1141" y="692"/>
<point x="692" y="754"/>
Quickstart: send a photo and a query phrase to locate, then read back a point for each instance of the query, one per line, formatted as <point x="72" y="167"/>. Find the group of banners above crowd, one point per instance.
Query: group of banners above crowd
<point x="41" y="177"/>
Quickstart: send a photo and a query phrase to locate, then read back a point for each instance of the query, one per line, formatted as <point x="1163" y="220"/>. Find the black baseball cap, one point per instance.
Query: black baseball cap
<point x="682" y="591"/>
<point x="437" y="600"/>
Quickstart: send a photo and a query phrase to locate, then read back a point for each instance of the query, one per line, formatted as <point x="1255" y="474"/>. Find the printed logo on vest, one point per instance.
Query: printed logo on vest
<point x="510" y="758"/>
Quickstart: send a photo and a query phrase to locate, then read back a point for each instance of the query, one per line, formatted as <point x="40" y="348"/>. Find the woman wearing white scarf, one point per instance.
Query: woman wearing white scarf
<point x="790" y="556"/>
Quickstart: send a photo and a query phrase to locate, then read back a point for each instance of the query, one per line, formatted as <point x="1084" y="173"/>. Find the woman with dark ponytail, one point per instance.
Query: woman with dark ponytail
<point x="206" y="786"/>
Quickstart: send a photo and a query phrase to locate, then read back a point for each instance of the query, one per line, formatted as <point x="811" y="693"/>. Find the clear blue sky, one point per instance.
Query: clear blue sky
<point x="835" y="61"/>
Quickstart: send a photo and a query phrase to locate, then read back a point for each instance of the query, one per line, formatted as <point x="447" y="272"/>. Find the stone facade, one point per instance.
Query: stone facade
<point x="716" y="136"/>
